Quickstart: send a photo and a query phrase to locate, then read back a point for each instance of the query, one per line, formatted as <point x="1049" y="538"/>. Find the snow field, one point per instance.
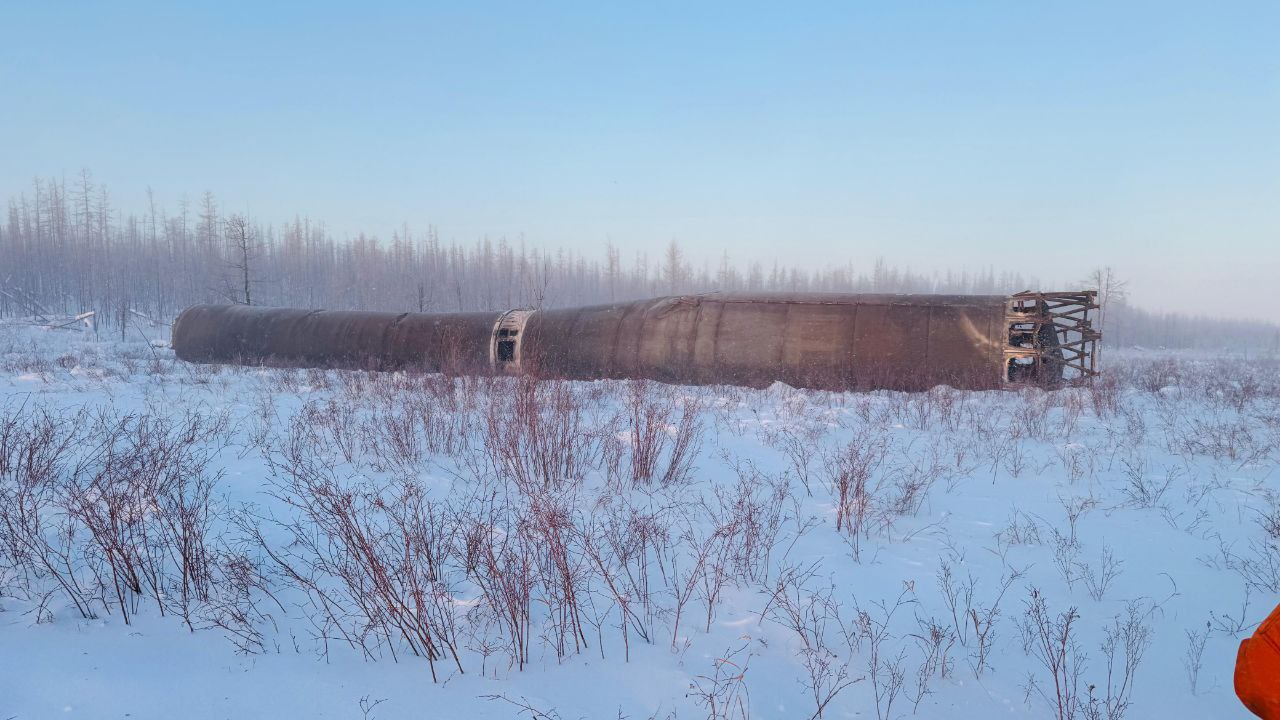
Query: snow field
<point x="214" y="542"/>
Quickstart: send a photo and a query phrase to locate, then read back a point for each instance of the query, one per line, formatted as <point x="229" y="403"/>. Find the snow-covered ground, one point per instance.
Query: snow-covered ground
<point x="349" y="516"/>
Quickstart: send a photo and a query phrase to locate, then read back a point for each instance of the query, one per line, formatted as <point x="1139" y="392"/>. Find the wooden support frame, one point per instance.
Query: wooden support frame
<point x="1050" y="334"/>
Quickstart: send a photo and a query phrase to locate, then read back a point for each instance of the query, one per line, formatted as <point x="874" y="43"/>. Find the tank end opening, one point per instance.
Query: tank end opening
<point x="1051" y="338"/>
<point x="506" y="341"/>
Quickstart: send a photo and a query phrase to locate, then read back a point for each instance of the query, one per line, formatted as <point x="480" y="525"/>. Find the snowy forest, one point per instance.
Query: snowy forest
<point x="66" y="250"/>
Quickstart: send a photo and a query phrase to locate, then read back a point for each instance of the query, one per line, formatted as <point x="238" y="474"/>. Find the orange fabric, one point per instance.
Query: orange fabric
<point x="1258" y="669"/>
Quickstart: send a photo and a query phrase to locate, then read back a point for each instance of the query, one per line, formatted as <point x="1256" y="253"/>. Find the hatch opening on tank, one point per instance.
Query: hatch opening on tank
<point x="506" y="350"/>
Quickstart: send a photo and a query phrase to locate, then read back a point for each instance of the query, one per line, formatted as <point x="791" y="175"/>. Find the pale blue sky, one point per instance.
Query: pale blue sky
<point x="1043" y="137"/>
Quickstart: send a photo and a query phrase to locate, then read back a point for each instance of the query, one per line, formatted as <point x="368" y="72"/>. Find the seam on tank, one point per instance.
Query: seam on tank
<point x="693" y="337"/>
<point x="715" y="340"/>
<point x="617" y="337"/>
<point x="928" y="337"/>
<point x="384" y="350"/>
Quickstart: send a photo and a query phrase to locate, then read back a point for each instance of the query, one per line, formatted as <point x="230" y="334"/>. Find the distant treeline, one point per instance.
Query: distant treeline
<point x="65" y="250"/>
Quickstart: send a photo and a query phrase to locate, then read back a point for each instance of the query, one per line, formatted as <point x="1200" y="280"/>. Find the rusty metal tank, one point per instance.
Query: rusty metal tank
<point x="245" y="335"/>
<point x="822" y="341"/>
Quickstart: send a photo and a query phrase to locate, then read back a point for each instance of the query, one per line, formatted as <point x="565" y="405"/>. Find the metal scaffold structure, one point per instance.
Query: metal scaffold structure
<point x="1051" y="335"/>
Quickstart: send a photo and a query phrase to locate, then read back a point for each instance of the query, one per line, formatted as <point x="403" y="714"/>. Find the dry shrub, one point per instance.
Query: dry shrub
<point x="537" y="435"/>
<point x="105" y="509"/>
<point x="850" y="470"/>
<point x="1050" y="638"/>
<point x="375" y="563"/>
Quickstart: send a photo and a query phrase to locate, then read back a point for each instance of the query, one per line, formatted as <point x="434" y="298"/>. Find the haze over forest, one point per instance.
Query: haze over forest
<point x="79" y="252"/>
<point x="990" y="140"/>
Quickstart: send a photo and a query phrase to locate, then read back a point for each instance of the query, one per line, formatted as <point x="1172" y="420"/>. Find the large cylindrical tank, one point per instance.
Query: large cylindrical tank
<point x="824" y="341"/>
<point x="240" y="334"/>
